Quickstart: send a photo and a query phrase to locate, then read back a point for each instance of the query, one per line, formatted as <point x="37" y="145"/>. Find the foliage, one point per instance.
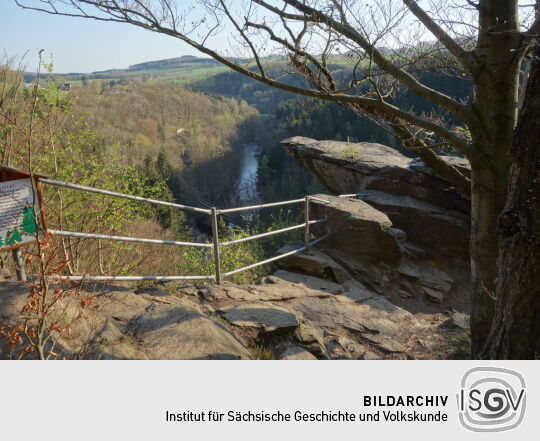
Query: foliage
<point x="462" y="346"/>
<point x="51" y="309"/>
<point x="32" y="120"/>
<point x="260" y="352"/>
<point x="92" y="145"/>
<point x="350" y="152"/>
<point x="234" y="85"/>
<point x="201" y="261"/>
<point x="192" y="133"/>
<point x="89" y="212"/>
<point x="163" y="70"/>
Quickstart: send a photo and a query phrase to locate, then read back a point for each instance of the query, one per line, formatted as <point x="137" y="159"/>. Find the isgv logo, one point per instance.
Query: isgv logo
<point x="491" y="399"/>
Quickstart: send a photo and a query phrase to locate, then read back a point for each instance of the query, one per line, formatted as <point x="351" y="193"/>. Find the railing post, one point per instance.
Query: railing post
<point x="306" y="220"/>
<point x="215" y="238"/>
<point x="19" y="265"/>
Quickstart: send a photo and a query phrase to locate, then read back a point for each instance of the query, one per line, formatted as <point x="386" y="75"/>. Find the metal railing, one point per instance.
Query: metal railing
<point x="215" y="245"/>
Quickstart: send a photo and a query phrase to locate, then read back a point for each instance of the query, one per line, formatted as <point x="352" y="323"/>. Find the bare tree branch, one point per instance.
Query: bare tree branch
<point x="453" y="47"/>
<point x="244" y="36"/>
<point x="460" y="110"/>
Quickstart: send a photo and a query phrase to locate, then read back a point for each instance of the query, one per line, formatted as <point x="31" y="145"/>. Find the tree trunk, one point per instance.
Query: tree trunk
<point x="495" y="109"/>
<point x="516" y="327"/>
<point x="486" y="205"/>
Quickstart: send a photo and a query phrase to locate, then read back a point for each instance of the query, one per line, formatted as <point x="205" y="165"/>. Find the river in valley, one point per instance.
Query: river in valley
<point x="244" y="193"/>
<point x="247" y="182"/>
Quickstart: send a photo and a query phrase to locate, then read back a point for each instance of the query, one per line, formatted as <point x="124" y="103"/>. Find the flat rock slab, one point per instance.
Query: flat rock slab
<point x="358" y="294"/>
<point x="275" y="288"/>
<point x="436" y="279"/>
<point x="311" y="282"/>
<point x="179" y="332"/>
<point x="430" y="277"/>
<point x="340" y="312"/>
<point x="265" y="316"/>
<point x="385" y="344"/>
<point x="426" y="224"/>
<point x="286" y="285"/>
<point x="433" y="295"/>
<point x="343" y="345"/>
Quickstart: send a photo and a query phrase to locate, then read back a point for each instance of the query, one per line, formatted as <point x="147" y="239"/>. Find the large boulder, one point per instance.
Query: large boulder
<point x="432" y="213"/>
<point x="346" y="167"/>
<point x="291" y="351"/>
<point x="313" y="263"/>
<point x="356" y="229"/>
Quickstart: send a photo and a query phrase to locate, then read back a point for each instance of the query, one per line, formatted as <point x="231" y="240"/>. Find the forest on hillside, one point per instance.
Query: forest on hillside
<point x="151" y="118"/>
<point x="150" y="139"/>
<point x="191" y="135"/>
<point x="159" y="139"/>
<point x="284" y="114"/>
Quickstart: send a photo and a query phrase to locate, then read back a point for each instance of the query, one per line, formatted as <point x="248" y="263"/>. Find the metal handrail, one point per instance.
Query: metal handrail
<point x="353" y="195"/>
<point x="216" y="244"/>
<point x="269" y="233"/>
<point x="134" y="278"/>
<point x="273" y="259"/>
<point x="255" y="207"/>
<point x="129" y="239"/>
<point x="122" y="195"/>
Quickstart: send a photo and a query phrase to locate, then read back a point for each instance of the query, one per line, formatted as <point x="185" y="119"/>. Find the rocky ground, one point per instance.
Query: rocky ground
<point x="289" y="315"/>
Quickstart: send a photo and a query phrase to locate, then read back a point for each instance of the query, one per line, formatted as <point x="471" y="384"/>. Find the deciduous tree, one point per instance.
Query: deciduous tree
<point x="515" y="332"/>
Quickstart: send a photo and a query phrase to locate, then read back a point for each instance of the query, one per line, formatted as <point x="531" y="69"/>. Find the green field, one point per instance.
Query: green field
<point x="187" y="72"/>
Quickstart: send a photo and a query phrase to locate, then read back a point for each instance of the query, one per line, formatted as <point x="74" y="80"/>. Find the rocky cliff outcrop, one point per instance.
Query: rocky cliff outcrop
<point x="384" y="282"/>
<point x="357" y="229"/>
<point x="407" y="234"/>
<point x="434" y="216"/>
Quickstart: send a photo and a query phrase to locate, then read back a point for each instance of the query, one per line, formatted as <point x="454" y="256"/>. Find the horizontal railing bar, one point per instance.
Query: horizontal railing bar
<point x="122" y="195"/>
<point x="312" y="198"/>
<point x="348" y="195"/>
<point x="129" y="239"/>
<point x="254" y="207"/>
<point x="133" y="278"/>
<point x="269" y="233"/>
<point x="273" y="259"/>
<point x="259" y="236"/>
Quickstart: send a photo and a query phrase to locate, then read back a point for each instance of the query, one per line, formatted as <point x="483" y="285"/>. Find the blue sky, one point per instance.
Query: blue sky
<point x="80" y="45"/>
<point x="83" y="45"/>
